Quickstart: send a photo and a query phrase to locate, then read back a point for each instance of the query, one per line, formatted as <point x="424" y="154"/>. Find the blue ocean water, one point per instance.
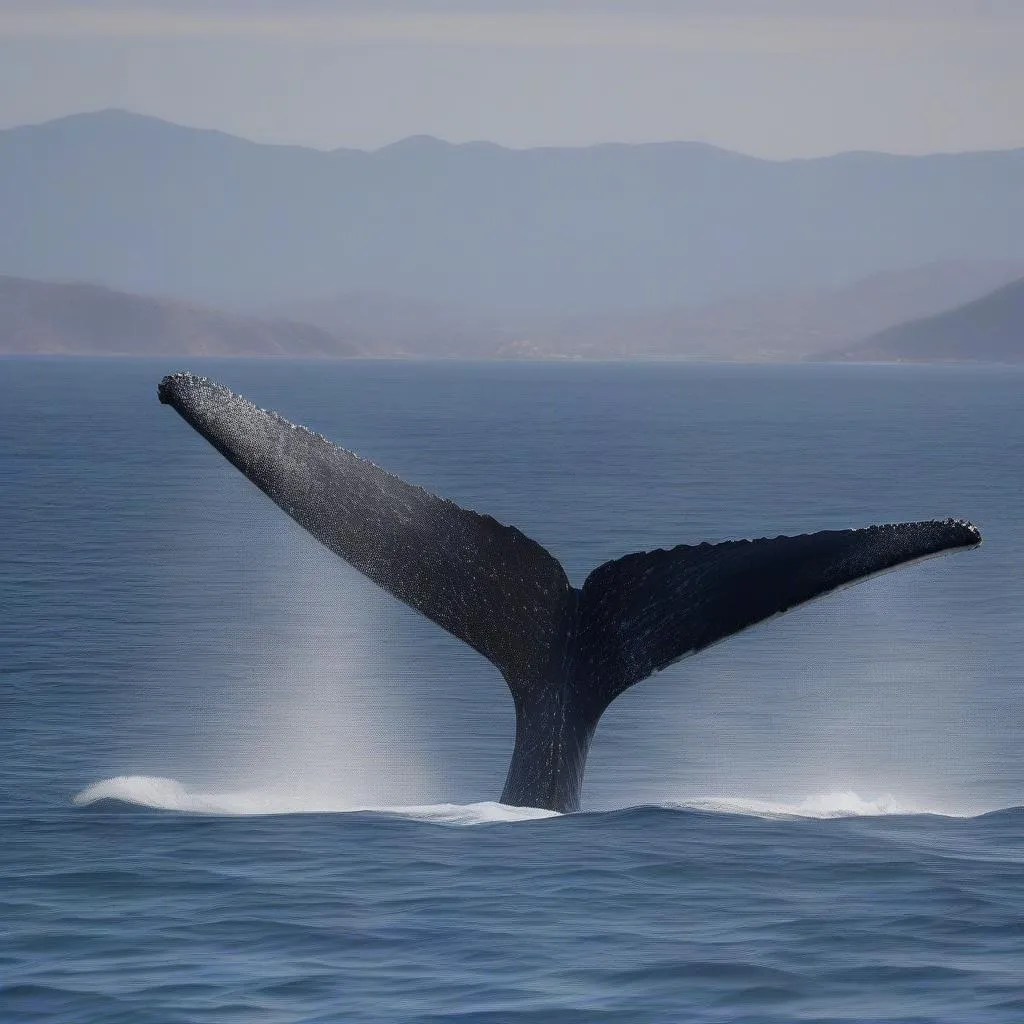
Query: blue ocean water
<point x="239" y="784"/>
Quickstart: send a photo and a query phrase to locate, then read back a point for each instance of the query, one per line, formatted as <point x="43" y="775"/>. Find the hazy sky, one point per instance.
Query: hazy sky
<point x="770" y="77"/>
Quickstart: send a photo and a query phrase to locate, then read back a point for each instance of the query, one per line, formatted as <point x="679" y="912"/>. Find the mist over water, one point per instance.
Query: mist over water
<point x="800" y="816"/>
<point x="322" y="721"/>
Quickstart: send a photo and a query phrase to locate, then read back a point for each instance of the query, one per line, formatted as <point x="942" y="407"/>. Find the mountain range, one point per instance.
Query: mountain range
<point x="140" y="205"/>
<point x="38" y="317"/>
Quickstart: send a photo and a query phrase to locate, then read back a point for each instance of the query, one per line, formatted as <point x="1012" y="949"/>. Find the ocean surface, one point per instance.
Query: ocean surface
<point x="239" y="784"/>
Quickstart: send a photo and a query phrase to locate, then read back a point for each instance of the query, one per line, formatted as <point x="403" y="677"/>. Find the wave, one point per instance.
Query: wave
<point x="825" y="805"/>
<point x="170" y="795"/>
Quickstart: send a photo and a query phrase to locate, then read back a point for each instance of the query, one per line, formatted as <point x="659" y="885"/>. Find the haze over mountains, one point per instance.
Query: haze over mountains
<point x="141" y="205"/>
<point x="787" y="325"/>
<point x="40" y="317"/>
<point x="779" y="327"/>
<point x="673" y="250"/>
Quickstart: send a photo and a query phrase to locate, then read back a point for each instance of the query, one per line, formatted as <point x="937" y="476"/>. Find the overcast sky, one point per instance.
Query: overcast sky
<point x="770" y="77"/>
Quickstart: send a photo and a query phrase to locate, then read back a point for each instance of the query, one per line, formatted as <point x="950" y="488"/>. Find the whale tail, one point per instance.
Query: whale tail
<point x="566" y="654"/>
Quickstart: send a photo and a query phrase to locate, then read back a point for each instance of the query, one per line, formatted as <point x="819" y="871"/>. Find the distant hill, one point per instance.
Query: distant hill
<point x="989" y="329"/>
<point x="39" y="317"/>
<point x="145" y="206"/>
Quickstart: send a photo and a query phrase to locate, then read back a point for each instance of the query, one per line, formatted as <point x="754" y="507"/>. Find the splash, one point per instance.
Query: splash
<point x="307" y="714"/>
<point x="825" y="805"/>
<point x="171" y="795"/>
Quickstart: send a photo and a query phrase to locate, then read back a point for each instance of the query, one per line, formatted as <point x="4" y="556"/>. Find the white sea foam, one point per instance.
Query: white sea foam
<point x="171" y="795"/>
<point x="469" y="814"/>
<point x="825" y="805"/>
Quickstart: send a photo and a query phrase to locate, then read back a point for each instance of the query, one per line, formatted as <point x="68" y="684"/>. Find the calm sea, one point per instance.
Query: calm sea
<point x="239" y="784"/>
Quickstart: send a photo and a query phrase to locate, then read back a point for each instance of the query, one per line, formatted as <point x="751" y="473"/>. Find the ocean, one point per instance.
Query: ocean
<point x="240" y="784"/>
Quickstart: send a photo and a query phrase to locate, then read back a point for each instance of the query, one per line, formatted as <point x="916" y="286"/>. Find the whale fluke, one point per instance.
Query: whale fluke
<point x="566" y="654"/>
